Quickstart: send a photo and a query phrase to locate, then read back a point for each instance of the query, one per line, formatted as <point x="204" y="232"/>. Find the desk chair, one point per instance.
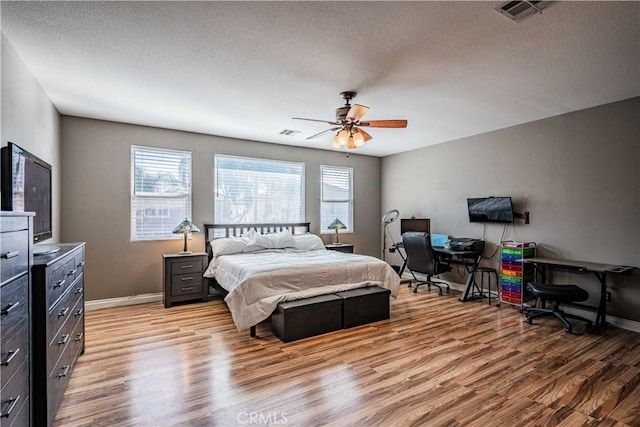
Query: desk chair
<point x="557" y="294"/>
<point x="422" y="259"/>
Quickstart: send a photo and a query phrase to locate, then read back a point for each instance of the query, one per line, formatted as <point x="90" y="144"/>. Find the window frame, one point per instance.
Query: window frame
<point x="169" y="235"/>
<point x="351" y="226"/>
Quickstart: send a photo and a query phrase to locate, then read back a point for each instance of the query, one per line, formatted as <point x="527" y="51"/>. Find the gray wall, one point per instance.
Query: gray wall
<point x="30" y="120"/>
<point x="578" y="174"/>
<point x="95" y="202"/>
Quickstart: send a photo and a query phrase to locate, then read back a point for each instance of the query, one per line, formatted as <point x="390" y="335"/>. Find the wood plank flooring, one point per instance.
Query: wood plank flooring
<point x="437" y="362"/>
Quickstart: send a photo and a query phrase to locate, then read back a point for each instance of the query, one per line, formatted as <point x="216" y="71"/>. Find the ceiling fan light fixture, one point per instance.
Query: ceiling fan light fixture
<point x="335" y="143"/>
<point x="358" y="139"/>
<point x="343" y="135"/>
<point x="350" y="144"/>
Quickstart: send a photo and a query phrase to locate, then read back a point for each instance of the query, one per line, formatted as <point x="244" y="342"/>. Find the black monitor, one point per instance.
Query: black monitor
<point x="26" y="186"/>
<point x="490" y="209"/>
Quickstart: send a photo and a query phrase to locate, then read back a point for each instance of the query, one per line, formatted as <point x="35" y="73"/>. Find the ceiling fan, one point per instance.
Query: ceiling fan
<point x="348" y="124"/>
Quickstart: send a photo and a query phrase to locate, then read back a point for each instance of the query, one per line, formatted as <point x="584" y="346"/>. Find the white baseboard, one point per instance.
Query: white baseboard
<point x="122" y="301"/>
<point x="629" y="325"/>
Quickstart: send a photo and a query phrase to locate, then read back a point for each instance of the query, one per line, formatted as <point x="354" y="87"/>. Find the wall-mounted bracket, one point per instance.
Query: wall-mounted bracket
<point x="522" y="215"/>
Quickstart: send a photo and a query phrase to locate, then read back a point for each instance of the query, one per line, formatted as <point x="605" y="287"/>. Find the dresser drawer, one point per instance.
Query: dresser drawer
<point x="184" y="267"/>
<point x="186" y="284"/>
<point x="14" y="394"/>
<point x="14" y="302"/>
<point x="14" y="254"/>
<point x="59" y="280"/>
<point x="61" y="339"/>
<point x="60" y="375"/>
<point x="15" y="348"/>
<point x="63" y="311"/>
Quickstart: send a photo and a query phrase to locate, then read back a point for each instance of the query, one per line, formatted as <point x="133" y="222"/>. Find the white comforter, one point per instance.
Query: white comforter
<point x="258" y="281"/>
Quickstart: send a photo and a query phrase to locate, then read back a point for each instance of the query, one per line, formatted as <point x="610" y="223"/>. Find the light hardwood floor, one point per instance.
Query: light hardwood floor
<point x="436" y="362"/>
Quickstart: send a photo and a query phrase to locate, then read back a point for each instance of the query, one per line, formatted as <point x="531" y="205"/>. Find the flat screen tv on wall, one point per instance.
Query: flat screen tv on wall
<point x="490" y="209"/>
<point x="25" y="183"/>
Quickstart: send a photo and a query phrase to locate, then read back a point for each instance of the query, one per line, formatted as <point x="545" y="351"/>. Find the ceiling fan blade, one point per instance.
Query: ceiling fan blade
<point x="367" y="137"/>
<point x="356" y="112"/>
<point x="385" y="123"/>
<point x="325" y="131"/>
<point x="316" y="120"/>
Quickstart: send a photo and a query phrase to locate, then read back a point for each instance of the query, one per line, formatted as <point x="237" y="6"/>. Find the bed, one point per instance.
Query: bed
<point x="257" y="266"/>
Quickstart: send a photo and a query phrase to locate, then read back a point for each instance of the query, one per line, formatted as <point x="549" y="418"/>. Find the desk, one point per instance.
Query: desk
<point x="470" y="260"/>
<point x="599" y="270"/>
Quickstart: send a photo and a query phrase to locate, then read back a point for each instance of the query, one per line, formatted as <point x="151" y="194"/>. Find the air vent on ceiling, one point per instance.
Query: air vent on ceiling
<point x="519" y="10"/>
<point x="289" y="132"/>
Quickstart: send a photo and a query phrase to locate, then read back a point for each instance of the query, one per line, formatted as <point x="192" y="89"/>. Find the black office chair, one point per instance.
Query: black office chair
<point x="557" y="294"/>
<point x="422" y="259"/>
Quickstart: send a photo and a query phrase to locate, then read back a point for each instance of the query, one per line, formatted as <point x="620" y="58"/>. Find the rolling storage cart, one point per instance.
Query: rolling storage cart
<point x="514" y="274"/>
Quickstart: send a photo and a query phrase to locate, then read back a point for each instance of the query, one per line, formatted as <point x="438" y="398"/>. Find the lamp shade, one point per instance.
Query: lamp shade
<point x="336" y="225"/>
<point x="186" y="226"/>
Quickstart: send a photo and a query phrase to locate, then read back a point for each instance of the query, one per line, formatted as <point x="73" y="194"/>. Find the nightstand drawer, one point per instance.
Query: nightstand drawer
<point x="184" y="267"/>
<point x="185" y="284"/>
<point x="15" y="348"/>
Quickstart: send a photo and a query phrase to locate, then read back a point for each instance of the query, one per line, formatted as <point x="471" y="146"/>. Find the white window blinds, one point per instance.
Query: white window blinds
<point x="337" y="196"/>
<point x="249" y="190"/>
<point x="160" y="192"/>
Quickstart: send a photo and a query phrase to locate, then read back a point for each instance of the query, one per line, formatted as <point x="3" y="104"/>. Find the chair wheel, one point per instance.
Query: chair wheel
<point x="415" y="290"/>
<point x="529" y="321"/>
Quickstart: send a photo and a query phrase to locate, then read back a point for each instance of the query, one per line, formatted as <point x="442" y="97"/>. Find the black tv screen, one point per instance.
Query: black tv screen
<point x="26" y="187"/>
<point x="490" y="209"/>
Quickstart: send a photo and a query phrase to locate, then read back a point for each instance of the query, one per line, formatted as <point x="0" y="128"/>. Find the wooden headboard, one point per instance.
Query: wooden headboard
<point x="217" y="231"/>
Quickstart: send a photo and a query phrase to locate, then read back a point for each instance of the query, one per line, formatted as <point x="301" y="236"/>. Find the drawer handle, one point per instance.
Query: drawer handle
<point x="63" y="339"/>
<point x="8" y="255"/>
<point x="79" y="312"/>
<point x="64" y="370"/>
<point x="190" y="288"/>
<point x="80" y="264"/>
<point x="59" y="283"/>
<point x="72" y="272"/>
<point x="79" y="337"/>
<point x="11" y="354"/>
<point x="10" y="308"/>
<point x="187" y="266"/>
<point x="12" y="404"/>
<point x="185" y="279"/>
<point x="63" y="312"/>
<point x="78" y="291"/>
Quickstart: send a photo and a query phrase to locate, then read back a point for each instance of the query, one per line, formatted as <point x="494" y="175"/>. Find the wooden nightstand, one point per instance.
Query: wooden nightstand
<point x="340" y="247"/>
<point x="182" y="280"/>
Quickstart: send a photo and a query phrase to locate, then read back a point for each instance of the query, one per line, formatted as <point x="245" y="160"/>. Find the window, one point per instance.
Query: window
<point x="160" y="192"/>
<point x="337" y="197"/>
<point x="251" y="190"/>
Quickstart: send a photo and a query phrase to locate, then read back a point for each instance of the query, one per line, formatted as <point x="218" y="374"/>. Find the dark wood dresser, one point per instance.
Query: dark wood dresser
<point x="182" y="279"/>
<point x="16" y="237"/>
<point x="57" y="326"/>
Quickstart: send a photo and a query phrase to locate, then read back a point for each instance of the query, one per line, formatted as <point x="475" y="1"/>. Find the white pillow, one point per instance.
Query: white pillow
<point x="280" y="240"/>
<point x="228" y="246"/>
<point x="308" y="242"/>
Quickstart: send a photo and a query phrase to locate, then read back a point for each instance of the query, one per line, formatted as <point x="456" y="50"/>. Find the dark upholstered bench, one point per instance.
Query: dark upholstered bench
<point x="364" y="305"/>
<point x="303" y="318"/>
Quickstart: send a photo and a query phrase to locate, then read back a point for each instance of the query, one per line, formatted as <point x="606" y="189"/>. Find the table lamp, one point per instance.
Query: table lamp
<point x="336" y="225"/>
<point x="185" y="227"/>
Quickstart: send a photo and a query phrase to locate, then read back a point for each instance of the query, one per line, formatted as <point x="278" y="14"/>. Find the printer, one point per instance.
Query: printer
<point x="467" y="244"/>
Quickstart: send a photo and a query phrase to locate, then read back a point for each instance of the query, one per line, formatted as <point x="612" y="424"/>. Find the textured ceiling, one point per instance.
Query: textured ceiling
<point x="244" y="69"/>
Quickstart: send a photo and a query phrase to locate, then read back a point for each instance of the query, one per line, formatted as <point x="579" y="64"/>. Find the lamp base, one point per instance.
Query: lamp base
<point x="184" y="252"/>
